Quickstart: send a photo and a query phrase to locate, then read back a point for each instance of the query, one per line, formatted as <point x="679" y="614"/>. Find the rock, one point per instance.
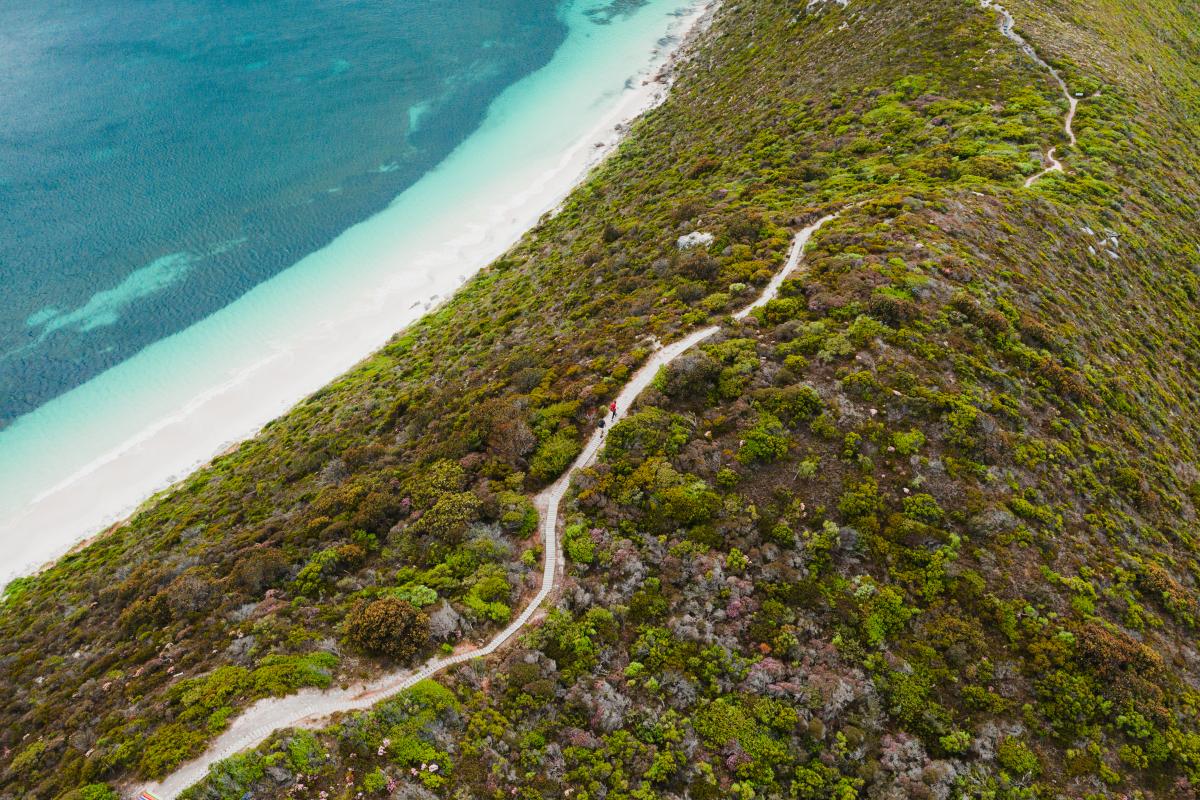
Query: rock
<point x="993" y="522"/>
<point x="410" y="791"/>
<point x="847" y="538"/>
<point x="445" y="622"/>
<point x="278" y="775"/>
<point x="694" y="239"/>
<point x="334" y="472"/>
<point x="238" y="648"/>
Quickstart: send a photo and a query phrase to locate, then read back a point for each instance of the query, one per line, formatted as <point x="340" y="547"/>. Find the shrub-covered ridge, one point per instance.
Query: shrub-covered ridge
<point x="923" y="526"/>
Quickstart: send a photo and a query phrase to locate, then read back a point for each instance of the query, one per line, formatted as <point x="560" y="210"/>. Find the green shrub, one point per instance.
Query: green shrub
<point x="234" y="775"/>
<point x="727" y="478"/>
<point x="648" y="603"/>
<point x="440" y="477"/>
<point x="314" y="575"/>
<point x="808" y="467"/>
<point x="387" y="627"/>
<point x="736" y="560"/>
<point x="816" y="781"/>
<point x="553" y="456"/>
<point x="167" y="748"/>
<point x="729" y="719"/>
<point x="213" y="690"/>
<point x="489" y="595"/>
<point x="280" y="675"/>
<point x="27" y="759"/>
<point x="303" y="751"/>
<point x="690" y="502"/>
<point x="819" y="545"/>
<point x="956" y="742"/>
<point x="923" y="507"/>
<point x="449" y="517"/>
<point x="93" y="791"/>
<point x="578" y="544"/>
<point x="861" y="501"/>
<point x="963" y="421"/>
<point x="517" y="514"/>
<point x="766" y="441"/>
<point x="1016" y="757"/>
<point x="864" y="329"/>
<point x="909" y="443"/>
<point x="418" y="594"/>
<point x="782" y="534"/>
<point x="14" y="589"/>
<point x="375" y="781"/>
<point x="792" y="404"/>
<point x="824" y="426"/>
<point x="884" y="611"/>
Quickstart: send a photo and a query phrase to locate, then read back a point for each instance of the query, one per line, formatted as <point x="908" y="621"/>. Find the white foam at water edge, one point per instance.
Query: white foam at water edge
<point x="89" y="457"/>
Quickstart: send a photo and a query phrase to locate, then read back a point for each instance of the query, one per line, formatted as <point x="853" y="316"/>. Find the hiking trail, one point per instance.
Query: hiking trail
<point x="309" y="708"/>
<point x="1007" y="23"/>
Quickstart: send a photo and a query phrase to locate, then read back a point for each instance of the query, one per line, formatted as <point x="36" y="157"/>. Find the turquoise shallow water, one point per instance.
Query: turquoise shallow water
<point x="159" y="158"/>
<point x="83" y="458"/>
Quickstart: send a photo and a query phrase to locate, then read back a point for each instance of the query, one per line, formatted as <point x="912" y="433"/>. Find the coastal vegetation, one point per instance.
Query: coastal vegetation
<point x="925" y="525"/>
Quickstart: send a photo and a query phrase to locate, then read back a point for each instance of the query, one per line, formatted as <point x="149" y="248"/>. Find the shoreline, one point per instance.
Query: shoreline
<point x="147" y="466"/>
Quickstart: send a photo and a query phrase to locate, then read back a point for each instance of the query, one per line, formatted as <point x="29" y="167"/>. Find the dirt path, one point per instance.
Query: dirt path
<point x="1006" y="27"/>
<point x="310" y="708"/>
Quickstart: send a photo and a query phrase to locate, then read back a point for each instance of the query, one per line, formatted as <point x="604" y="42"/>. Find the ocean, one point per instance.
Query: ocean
<point x="158" y="159"/>
<point x="207" y="211"/>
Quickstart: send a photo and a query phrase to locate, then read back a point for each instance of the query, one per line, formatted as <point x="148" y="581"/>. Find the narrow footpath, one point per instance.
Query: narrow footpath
<point x="310" y="708"/>
<point x="1007" y="23"/>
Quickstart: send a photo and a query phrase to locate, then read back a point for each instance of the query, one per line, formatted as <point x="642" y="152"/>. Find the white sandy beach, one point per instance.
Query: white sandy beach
<point x="89" y="458"/>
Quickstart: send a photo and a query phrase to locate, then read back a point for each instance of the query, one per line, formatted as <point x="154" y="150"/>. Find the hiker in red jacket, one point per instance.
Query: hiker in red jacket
<point x="613" y="408"/>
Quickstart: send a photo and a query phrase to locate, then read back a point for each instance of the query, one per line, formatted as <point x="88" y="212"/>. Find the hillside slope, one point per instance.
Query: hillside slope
<point x="924" y="526"/>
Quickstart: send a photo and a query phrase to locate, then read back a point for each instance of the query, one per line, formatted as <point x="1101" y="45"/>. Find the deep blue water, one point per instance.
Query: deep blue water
<point x="158" y="158"/>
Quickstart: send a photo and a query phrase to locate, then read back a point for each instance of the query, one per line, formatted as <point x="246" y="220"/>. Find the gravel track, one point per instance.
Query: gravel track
<point x="310" y="708"/>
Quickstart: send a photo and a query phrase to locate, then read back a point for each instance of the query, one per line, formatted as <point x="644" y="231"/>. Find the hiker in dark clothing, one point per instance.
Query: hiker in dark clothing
<point x="602" y="427"/>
